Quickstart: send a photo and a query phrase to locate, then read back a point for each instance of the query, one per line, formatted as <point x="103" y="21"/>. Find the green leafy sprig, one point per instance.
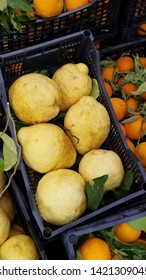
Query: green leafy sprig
<point x="10" y="19"/>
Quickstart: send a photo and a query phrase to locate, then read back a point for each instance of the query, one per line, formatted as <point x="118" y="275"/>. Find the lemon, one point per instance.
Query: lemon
<point x="19" y="247"/>
<point x="60" y="196"/>
<point x="4" y="227"/>
<point x="87" y="123"/>
<point x="74" y="82"/>
<point x="35" y="98"/>
<point x="46" y="147"/>
<point x="7" y="204"/>
<point x="99" y="162"/>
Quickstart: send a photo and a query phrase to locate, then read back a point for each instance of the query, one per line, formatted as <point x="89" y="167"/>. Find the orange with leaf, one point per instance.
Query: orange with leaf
<point x="108" y="73"/>
<point x="135" y="127"/>
<point x="125" y="63"/>
<point x="129" y="88"/>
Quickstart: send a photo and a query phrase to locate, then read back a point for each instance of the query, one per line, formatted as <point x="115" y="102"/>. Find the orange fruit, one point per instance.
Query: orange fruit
<point x="108" y="88"/>
<point x="141" y="149"/>
<point x="143" y="95"/>
<point x="131" y="146"/>
<point x="143" y="61"/>
<point x="128" y="88"/>
<point x="136" y="128"/>
<point x="119" y="81"/>
<point x="132" y="103"/>
<point x="141" y="31"/>
<point x="108" y="73"/>
<point x="119" y="107"/>
<point x="123" y="128"/>
<point x="95" y="249"/>
<point x="74" y="4"/>
<point x="48" y="8"/>
<point x="125" y="63"/>
<point x="126" y="233"/>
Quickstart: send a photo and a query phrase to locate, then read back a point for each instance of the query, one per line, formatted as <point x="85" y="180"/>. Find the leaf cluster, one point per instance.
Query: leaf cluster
<point x="96" y="195"/>
<point x="131" y="251"/>
<point x="14" y="13"/>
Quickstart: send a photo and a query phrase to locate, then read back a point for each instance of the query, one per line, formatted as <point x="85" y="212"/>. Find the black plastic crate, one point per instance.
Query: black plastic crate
<point x="132" y="14"/>
<point x="70" y="238"/>
<point x="100" y="16"/>
<point x="75" y="48"/>
<point x="23" y="217"/>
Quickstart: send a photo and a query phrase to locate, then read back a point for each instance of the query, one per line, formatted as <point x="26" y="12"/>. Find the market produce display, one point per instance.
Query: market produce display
<point x="52" y="148"/>
<point x="126" y="79"/>
<point x="16" y="12"/>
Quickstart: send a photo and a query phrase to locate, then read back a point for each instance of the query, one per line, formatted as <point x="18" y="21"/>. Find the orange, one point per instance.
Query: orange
<point x="143" y="61"/>
<point x="141" y="31"/>
<point x="136" y="128"/>
<point x="119" y="81"/>
<point x="95" y="249"/>
<point x="143" y="95"/>
<point x="128" y="88"/>
<point x="123" y="128"/>
<point x="126" y="233"/>
<point x="125" y="63"/>
<point x="119" y="107"/>
<point x="108" y="73"/>
<point x="131" y="102"/>
<point x="48" y="8"/>
<point x="74" y="4"/>
<point x="131" y="146"/>
<point x="141" y="149"/>
<point x="108" y="89"/>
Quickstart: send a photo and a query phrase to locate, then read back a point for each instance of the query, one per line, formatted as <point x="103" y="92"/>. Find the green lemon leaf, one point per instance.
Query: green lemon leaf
<point x="107" y="62"/>
<point x="16" y="23"/>
<point x="4" y="21"/>
<point x="22" y="5"/>
<point x="131" y="111"/>
<point x="3" y="5"/>
<point x="95" y="193"/>
<point x="138" y="223"/>
<point x="1" y="165"/>
<point x="140" y="90"/>
<point x="126" y="184"/>
<point x="95" y="88"/>
<point x="129" y="120"/>
<point x="9" y="151"/>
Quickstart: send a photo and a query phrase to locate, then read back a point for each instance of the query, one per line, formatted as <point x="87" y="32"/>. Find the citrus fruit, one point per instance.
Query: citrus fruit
<point x="108" y="89"/>
<point x="95" y="249"/>
<point x="126" y="233"/>
<point x="48" y="8"/>
<point x="119" y="107"/>
<point x="141" y="149"/>
<point x="60" y="196"/>
<point x="135" y="129"/>
<point x="108" y="73"/>
<point x="125" y="63"/>
<point x="74" y="4"/>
